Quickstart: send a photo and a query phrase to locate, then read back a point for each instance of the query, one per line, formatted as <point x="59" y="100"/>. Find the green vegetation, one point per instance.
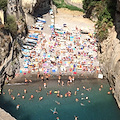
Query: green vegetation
<point x="3" y="5"/>
<point x="11" y="25"/>
<point x="62" y="4"/>
<point x="105" y="11"/>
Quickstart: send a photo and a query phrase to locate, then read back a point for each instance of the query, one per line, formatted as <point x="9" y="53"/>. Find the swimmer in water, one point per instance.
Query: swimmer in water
<point x="57" y="102"/>
<point x="23" y="97"/>
<point x="82" y="93"/>
<point x="40" y="98"/>
<point x="57" y="118"/>
<point x="31" y="97"/>
<point x="58" y="82"/>
<point x="25" y="91"/>
<point x="82" y="104"/>
<point x="45" y="85"/>
<point x="77" y="89"/>
<point x="76" y="118"/>
<point x="18" y="94"/>
<point x="76" y="99"/>
<point x="75" y="93"/>
<point x="62" y="83"/>
<point x="18" y="106"/>
<point x="101" y="86"/>
<point x="39" y="90"/>
<point x="54" y="111"/>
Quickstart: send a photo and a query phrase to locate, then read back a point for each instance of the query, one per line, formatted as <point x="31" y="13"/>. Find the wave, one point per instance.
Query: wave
<point x="16" y="84"/>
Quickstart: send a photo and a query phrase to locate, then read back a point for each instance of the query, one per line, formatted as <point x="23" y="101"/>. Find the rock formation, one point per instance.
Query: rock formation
<point x="109" y="56"/>
<point x="23" y="11"/>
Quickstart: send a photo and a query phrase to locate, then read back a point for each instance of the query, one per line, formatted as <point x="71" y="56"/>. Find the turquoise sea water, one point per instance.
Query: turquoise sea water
<point x="101" y="107"/>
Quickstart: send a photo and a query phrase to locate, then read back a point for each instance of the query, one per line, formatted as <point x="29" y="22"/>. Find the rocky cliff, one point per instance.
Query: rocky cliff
<point x="24" y="12"/>
<point x="109" y="56"/>
<point x="27" y="9"/>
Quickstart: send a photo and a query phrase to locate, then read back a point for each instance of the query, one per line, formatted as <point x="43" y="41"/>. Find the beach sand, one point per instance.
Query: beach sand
<point x="72" y="19"/>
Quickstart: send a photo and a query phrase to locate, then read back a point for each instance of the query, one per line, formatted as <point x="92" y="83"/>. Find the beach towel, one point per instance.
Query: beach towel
<point x="74" y="72"/>
<point x="20" y="71"/>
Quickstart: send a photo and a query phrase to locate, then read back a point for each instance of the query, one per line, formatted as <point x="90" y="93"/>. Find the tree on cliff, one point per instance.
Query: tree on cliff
<point x="104" y="11"/>
<point x="11" y="25"/>
<point x="3" y="4"/>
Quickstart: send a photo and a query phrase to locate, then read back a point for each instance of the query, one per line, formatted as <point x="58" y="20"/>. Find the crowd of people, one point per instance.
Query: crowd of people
<point x="69" y="52"/>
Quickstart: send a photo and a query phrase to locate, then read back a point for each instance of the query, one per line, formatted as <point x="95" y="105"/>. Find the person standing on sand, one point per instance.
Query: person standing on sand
<point x="38" y="75"/>
<point x="42" y="78"/>
<point x="58" y="82"/>
<point x="45" y="85"/>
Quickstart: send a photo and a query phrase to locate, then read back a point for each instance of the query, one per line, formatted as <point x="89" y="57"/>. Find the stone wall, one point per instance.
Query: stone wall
<point x="109" y="56"/>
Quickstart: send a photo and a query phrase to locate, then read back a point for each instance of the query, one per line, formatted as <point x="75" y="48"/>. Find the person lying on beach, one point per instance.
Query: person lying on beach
<point x="54" y="111"/>
<point x="30" y="81"/>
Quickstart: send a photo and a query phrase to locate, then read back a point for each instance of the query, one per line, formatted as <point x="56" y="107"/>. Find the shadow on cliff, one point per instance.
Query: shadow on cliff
<point x="40" y="12"/>
<point x="9" y="107"/>
<point x="41" y="9"/>
<point x="117" y="24"/>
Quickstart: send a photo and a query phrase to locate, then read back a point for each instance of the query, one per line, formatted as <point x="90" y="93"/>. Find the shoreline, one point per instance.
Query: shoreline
<point x="20" y="78"/>
<point x="5" y="115"/>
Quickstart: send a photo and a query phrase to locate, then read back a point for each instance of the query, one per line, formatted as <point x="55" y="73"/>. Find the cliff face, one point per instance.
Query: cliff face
<point x="27" y="9"/>
<point x="109" y="56"/>
<point x="24" y="12"/>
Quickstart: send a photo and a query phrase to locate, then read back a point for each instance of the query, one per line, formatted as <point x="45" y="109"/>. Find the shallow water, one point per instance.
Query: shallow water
<point x="101" y="107"/>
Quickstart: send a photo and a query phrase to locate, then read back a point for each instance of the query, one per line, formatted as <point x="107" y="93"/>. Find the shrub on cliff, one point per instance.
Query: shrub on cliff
<point x="62" y="4"/>
<point x="105" y="11"/>
<point x="11" y="25"/>
<point x="3" y="4"/>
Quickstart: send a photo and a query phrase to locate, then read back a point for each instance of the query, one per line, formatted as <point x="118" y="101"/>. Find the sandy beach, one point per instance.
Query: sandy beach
<point x="66" y="51"/>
